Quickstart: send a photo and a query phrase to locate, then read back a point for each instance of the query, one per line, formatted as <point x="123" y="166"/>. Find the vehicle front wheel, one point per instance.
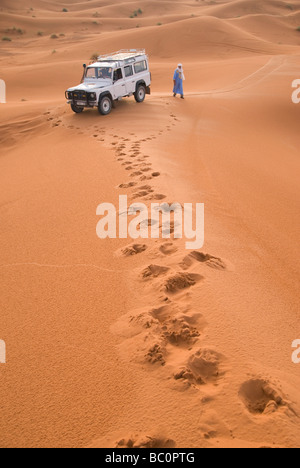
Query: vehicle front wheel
<point x="76" y="109"/>
<point x="140" y="93"/>
<point x="105" y="105"/>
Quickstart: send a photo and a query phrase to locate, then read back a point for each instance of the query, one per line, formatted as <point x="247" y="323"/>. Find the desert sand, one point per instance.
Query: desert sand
<point x="114" y="343"/>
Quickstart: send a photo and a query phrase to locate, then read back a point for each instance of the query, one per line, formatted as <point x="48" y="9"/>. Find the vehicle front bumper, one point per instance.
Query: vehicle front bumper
<point x="81" y="99"/>
<point x="83" y="103"/>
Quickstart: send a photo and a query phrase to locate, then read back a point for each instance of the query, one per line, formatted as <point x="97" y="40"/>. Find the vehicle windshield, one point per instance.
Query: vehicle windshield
<point x="99" y="73"/>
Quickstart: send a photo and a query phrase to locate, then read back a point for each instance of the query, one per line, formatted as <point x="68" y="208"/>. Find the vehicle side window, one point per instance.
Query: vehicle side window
<point x="139" y="67"/>
<point x="118" y="74"/>
<point x="128" y="71"/>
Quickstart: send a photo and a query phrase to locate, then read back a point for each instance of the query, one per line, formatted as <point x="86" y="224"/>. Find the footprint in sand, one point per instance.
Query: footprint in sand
<point x="146" y="169"/>
<point x="146" y="187"/>
<point x="157" y="196"/>
<point x="154" y="271"/>
<point x="128" y="185"/>
<point x="141" y="194"/>
<point x="145" y="441"/>
<point x="178" y="332"/>
<point x="180" y="281"/>
<point x="203" y="367"/>
<point x="168" y="248"/>
<point x="260" y="397"/>
<point x="144" y="177"/>
<point x="165" y="312"/>
<point x="209" y="260"/>
<point x="156" y="354"/>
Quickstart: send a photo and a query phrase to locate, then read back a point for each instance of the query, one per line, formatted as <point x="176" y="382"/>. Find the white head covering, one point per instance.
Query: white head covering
<point x="180" y="71"/>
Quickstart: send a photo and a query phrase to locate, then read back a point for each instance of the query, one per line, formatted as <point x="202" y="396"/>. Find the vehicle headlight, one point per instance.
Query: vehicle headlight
<point x="69" y="95"/>
<point x="93" y="96"/>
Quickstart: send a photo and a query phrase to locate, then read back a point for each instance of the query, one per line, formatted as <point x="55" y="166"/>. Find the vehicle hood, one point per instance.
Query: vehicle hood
<point x="90" y="87"/>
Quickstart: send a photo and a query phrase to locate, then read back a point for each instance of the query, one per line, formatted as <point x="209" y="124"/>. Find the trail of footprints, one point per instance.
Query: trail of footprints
<point x="171" y="323"/>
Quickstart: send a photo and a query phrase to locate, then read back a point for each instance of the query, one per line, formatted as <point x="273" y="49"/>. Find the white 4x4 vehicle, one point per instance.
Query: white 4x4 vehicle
<point x="121" y="74"/>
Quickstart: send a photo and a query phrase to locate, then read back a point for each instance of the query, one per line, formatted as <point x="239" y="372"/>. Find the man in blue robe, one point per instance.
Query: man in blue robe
<point x="178" y="81"/>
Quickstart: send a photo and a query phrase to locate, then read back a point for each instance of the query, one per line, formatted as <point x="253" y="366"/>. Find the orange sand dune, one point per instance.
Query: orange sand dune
<point x="121" y="342"/>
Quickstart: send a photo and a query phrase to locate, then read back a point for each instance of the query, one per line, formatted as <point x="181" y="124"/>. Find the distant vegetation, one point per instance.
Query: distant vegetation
<point x="136" y="13"/>
<point x="298" y="29"/>
<point x="94" y="57"/>
<point x="7" y="39"/>
<point x="14" y="30"/>
<point x="40" y="33"/>
<point x="54" y="36"/>
<point x="289" y="6"/>
<point x="65" y="10"/>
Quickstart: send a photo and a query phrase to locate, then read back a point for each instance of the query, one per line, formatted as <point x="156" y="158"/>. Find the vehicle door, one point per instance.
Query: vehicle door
<point x="129" y="79"/>
<point x="119" y="86"/>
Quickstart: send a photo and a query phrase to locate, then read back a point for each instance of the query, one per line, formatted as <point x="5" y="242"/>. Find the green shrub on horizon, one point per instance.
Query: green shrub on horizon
<point x="7" y="39"/>
<point x="94" y="57"/>
<point x="136" y="13"/>
<point x="14" y="30"/>
<point x="53" y="36"/>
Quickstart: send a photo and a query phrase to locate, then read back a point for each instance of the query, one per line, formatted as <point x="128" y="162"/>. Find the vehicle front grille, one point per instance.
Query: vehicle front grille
<point x="80" y="96"/>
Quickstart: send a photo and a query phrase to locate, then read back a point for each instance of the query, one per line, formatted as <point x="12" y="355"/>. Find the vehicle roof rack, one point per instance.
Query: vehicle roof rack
<point x="121" y="55"/>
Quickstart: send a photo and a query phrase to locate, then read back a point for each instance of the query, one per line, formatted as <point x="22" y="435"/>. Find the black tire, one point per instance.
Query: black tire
<point x="76" y="109"/>
<point x="140" y="93"/>
<point x="105" y="105"/>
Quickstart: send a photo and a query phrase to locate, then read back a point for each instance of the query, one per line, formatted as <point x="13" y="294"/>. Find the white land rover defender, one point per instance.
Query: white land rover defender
<point x="121" y="74"/>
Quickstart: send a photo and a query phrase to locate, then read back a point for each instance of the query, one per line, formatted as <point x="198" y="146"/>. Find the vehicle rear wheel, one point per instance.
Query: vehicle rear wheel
<point x="76" y="109"/>
<point x="105" y="105"/>
<point x="140" y="94"/>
